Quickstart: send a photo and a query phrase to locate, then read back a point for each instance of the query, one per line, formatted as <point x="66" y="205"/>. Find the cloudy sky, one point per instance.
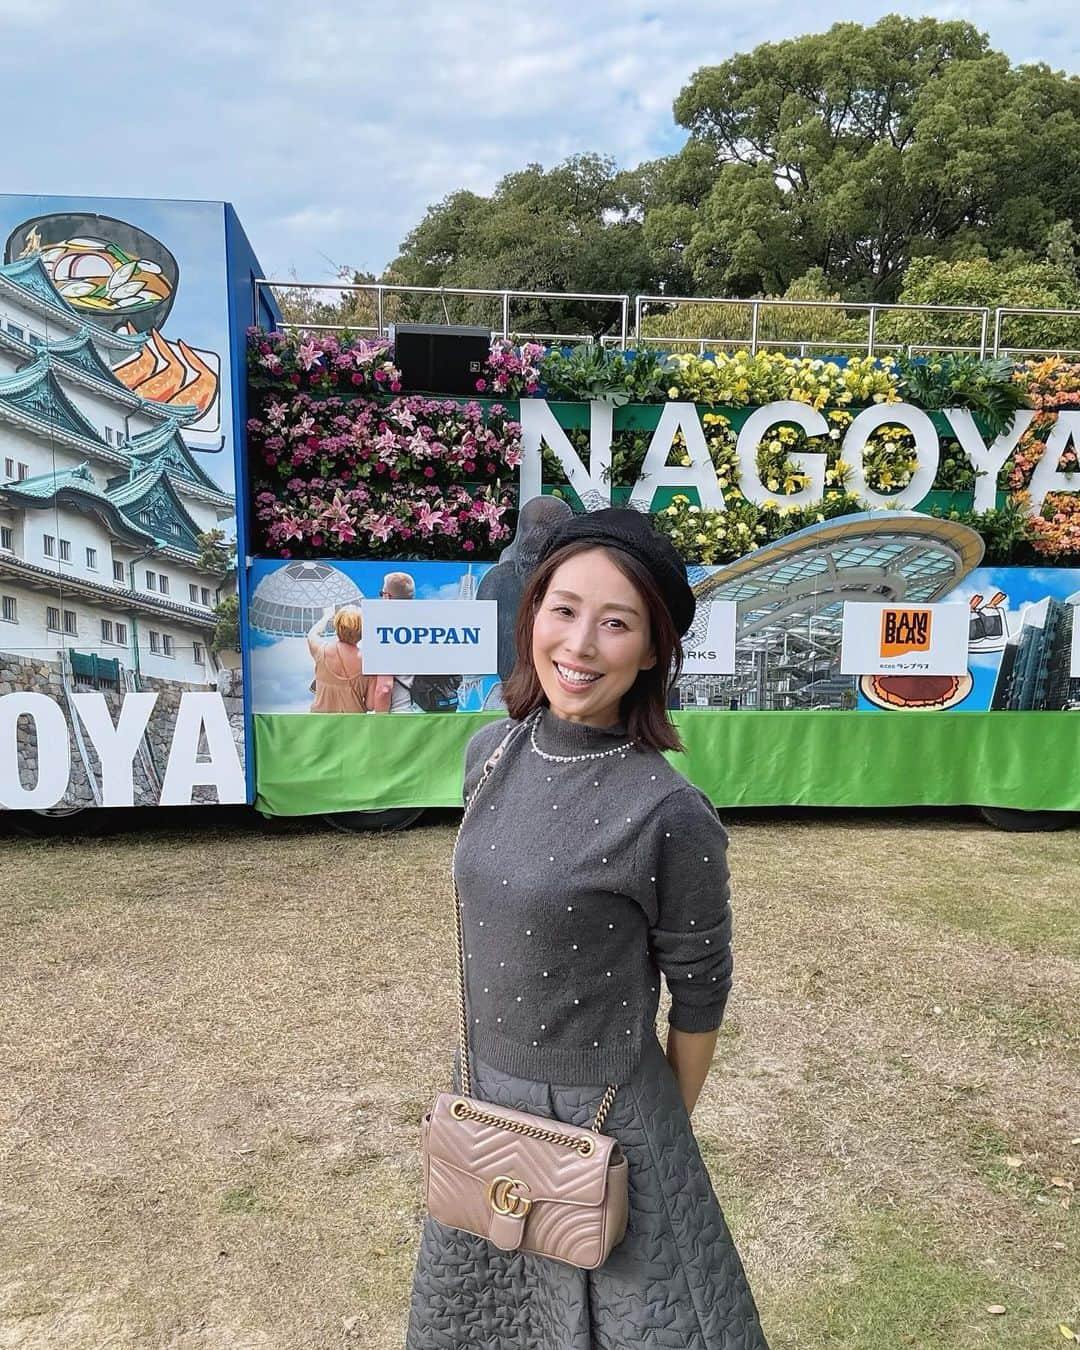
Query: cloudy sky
<point x="332" y="127"/>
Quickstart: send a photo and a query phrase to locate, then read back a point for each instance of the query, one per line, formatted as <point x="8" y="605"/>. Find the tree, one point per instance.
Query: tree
<point x="576" y="227"/>
<point x="304" y="306"/>
<point x="227" y="629"/>
<point x="1014" y="280"/>
<point x="858" y="149"/>
<point x="216" y="553"/>
<point x="786" y="326"/>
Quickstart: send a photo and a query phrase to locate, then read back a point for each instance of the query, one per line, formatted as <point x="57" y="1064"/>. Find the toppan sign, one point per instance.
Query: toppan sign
<point x="201" y="717"/>
<point x="539" y="427"/>
<point x="430" y="637"/>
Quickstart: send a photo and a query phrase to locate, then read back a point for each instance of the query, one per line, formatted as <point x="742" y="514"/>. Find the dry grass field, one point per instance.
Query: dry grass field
<point x="216" y="1044"/>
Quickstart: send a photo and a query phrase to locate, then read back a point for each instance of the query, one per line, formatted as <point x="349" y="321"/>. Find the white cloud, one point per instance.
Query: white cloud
<point x="331" y="130"/>
<point x="281" y="674"/>
<point x="315" y="218"/>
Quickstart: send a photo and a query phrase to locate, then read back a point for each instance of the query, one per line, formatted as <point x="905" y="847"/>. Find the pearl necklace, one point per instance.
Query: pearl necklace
<point x="572" y="759"/>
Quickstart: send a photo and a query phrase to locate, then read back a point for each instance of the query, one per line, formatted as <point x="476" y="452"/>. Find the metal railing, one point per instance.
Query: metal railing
<point x="871" y="308"/>
<point x="1004" y="312"/>
<point x="990" y="322"/>
<point x="505" y="298"/>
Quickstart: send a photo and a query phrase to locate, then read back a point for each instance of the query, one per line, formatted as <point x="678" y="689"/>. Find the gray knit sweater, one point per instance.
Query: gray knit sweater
<point x="580" y="883"/>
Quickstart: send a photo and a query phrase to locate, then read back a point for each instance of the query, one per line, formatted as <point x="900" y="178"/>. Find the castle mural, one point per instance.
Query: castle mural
<point x="116" y="466"/>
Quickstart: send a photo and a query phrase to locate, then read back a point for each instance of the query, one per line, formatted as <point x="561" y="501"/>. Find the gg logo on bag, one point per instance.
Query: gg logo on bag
<point x="904" y="630"/>
<point x="503" y="1199"/>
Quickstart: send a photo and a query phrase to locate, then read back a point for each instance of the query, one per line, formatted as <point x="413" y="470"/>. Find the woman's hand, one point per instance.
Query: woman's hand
<point x="317" y="629"/>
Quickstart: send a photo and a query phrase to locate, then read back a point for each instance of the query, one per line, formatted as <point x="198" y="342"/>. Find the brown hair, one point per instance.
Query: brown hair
<point x="347" y="624"/>
<point x="644" y="705"/>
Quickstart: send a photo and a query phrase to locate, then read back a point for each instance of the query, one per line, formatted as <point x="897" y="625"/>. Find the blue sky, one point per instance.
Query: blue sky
<point x="332" y="127"/>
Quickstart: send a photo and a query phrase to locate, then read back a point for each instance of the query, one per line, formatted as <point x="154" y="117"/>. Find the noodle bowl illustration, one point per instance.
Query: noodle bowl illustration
<point x="116" y="274"/>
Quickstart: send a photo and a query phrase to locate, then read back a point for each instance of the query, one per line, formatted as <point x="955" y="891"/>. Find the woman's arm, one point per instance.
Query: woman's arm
<point x="378" y="691"/>
<point x="315" y="632"/>
<point x="690" y="1053"/>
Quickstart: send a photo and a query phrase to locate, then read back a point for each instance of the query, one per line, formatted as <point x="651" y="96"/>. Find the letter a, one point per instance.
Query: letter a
<point x="202" y="712"/>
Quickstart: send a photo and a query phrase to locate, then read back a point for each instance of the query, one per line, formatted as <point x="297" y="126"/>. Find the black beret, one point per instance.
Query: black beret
<point x="622" y="527"/>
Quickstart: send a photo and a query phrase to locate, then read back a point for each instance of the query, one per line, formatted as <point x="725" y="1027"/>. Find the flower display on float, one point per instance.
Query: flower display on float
<point x="344" y="465"/>
<point x="339" y="476"/>
<point x="740" y="379"/>
<point x="321" y="362"/>
<point x="1051" y="384"/>
<point x="511" y="370"/>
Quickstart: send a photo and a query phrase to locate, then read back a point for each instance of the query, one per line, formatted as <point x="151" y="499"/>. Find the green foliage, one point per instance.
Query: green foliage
<point x="732" y="324"/>
<point x="590" y="372"/>
<point x="862" y="147"/>
<point x="1013" y="281"/>
<point x="714" y="537"/>
<point x="986" y="387"/>
<point x="227" y="631"/>
<point x="575" y="227"/>
<point x="1005" y="531"/>
<point x="216" y="553"/>
<point x="302" y="305"/>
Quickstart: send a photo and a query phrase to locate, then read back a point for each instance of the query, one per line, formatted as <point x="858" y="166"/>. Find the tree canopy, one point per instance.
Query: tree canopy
<point x="846" y="155"/>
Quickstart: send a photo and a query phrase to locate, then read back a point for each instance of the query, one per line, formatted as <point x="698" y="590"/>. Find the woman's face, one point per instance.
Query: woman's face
<point x="591" y="636"/>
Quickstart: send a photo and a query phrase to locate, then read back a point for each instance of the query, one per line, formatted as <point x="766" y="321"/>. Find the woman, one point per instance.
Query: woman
<point x="590" y="867"/>
<point x="340" y="685"/>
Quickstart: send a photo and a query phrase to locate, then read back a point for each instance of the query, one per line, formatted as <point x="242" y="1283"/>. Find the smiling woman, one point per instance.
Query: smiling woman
<point x="590" y="869"/>
<point x="596" y="639"/>
<point x="591" y="637"/>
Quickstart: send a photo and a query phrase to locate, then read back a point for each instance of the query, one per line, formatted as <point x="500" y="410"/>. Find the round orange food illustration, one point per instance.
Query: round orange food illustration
<point x="916" y="693"/>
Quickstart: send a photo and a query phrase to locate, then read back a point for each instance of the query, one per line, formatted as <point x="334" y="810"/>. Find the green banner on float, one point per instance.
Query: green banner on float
<point x="309" y="765"/>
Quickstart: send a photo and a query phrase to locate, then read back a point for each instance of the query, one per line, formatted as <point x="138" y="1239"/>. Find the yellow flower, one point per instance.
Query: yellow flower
<point x="773" y="484"/>
<point x="673" y="392"/>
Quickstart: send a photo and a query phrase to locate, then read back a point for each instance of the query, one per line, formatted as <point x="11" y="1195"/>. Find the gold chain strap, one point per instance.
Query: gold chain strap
<point x="463" y="1018"/>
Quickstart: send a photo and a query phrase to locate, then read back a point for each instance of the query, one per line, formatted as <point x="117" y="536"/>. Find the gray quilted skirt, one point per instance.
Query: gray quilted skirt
<point x="675" y="1282"/>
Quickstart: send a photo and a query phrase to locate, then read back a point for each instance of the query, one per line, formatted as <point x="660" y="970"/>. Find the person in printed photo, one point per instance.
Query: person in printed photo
<point x="340" y="685"/>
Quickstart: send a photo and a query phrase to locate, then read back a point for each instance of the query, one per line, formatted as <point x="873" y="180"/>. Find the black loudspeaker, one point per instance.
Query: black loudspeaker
<point x="440" y="358"/>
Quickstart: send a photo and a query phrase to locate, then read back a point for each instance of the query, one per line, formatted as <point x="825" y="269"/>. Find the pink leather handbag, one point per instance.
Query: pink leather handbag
<point x="524" y="1182"/>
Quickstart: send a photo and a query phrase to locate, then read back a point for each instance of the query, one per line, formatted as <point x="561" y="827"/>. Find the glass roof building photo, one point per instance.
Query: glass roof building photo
<point x="790" y="595"/>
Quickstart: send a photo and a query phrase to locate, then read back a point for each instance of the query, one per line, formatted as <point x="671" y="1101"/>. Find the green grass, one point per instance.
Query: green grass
<point x="1032" y="905"/>
<point x="906" y="1288"/>
<point x="886" y="1170"/>
<point x="243" y="1200"/>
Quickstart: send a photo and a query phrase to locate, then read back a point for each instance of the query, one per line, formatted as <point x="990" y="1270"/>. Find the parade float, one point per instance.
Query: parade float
<point x="885" y="548"/>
